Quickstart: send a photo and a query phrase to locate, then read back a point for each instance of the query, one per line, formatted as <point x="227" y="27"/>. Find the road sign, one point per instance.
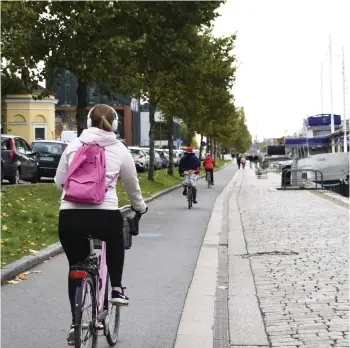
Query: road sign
<point x="203" y="143"/>
<point x="233" y="148"/>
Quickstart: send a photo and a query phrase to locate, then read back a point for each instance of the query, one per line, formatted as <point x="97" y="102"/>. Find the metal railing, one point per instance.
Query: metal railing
<point x="316" y="172"/>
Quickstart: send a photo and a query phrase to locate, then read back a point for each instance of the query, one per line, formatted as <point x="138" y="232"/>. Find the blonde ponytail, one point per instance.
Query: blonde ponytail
<point x="102" y="117"/>
<point x="105" y="125"/>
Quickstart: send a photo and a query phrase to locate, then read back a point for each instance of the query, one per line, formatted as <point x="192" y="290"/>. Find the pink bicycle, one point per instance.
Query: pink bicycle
<point x="94" y="313"/>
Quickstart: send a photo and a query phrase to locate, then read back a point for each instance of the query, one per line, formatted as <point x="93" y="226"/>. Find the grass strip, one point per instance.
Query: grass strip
<point x="29" y="213"/>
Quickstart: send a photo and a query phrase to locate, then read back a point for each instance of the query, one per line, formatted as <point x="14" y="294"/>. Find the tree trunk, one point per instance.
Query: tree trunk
<point x="152" y="111"/>
<point x="170" y="145"/>
<point x="200" y="151"/>
<point x="81" y="107"/>
<point x="214" y="148"/>
<point x="190" y="136"/>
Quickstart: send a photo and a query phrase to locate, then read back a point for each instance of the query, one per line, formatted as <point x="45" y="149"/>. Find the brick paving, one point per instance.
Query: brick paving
<point x="301" y="277"/>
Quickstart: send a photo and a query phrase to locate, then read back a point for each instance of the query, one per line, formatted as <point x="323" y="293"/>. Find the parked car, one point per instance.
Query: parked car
<point x="49" y="153"/>
<point x="176" y="158"/>
<point x="165" y="160"/>
<point x="19" y="162"/>
<point x="157" y="159"/>
<point x="140" y="158"/>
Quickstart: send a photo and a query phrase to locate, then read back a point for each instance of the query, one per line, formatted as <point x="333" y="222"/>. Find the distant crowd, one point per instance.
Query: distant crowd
<point x="242" y="159"/>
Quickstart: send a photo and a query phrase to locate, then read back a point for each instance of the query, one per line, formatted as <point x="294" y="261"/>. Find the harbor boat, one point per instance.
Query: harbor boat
<point x="313" y="149"/>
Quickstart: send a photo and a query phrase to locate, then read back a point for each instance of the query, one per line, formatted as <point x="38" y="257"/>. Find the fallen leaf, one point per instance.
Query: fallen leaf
<point x="33" y="251"/>
<point x="4" y="214"/>
<point x="12" y="282"/>
<point x="43" y="229"/>
<point x="22" y="276"/>
<point x="24" y="211"/>
<point x="9" y="204"/>
<point x="22" y="199"/>
<point x="222" y="287"/>
<point x="4" y="228"/>
<point x="29" y="272"/>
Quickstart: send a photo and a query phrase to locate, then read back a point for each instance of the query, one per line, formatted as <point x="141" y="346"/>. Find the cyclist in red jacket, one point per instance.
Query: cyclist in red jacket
<point x="209" y="165"/>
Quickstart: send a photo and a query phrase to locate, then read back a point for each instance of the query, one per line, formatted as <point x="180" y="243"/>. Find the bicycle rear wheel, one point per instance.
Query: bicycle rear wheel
<point x="208" y="179"/>
<point x="85" y="314"/>
<point x="189" y="197"/>
<point x="113" y="318"/>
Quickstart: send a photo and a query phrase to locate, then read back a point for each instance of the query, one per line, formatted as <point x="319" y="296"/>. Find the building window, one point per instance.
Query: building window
<point x="39" y="133"/>
<point x="316" y="132"/>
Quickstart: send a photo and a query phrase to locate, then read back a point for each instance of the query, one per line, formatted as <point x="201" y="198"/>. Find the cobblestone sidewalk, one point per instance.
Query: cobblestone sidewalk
<point x="298" y="248"/>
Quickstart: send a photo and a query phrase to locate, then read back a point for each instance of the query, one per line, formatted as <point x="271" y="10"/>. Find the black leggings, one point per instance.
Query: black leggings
<point x="75" y="225"/>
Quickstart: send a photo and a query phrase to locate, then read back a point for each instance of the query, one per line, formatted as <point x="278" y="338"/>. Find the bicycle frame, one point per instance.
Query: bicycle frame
<point x="100" y="281"/>
<point x="102" y="273"/>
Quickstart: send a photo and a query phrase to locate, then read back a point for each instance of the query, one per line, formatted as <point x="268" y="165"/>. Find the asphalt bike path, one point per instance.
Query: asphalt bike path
<point x="158" y="272"/>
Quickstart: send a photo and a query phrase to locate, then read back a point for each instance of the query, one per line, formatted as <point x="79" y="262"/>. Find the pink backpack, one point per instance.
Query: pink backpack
<point x="86" y="178"/>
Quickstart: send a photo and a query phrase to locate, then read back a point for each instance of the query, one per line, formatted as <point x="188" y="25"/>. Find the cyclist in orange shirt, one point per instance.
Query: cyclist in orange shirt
<point x="209" y="165"/>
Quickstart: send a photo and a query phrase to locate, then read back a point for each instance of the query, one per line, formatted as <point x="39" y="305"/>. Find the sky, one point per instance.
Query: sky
<point x="280" y="48"/>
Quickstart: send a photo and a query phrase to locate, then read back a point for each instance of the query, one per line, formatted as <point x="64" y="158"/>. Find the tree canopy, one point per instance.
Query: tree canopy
<point x="161" y="51"/>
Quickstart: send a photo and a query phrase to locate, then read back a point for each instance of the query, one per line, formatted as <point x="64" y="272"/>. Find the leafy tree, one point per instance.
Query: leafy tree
<point x="172" y="29"/>
<point x="194" y="142"/>
<point x="12" y="84"/>
<point x="91" y="39"/>
<point x="198" y="98"/>
<point x="240" y="138"/>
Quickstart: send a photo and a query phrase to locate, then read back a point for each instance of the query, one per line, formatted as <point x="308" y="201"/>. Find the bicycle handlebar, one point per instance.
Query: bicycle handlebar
<point x="134" y="221"/>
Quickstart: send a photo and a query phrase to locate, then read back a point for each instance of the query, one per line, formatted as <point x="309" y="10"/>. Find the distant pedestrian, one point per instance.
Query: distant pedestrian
<point x="250" y="158"/>
<point x="256" y="161"/>
<point x="243" y="161"/>
<point x="239" y="161"/>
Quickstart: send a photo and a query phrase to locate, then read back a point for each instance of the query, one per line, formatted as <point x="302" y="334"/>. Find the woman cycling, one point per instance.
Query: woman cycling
<point x="103" y="221"/>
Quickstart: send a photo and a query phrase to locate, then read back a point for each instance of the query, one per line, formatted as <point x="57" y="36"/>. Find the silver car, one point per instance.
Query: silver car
<point x="176" y="157"/>
<point x="157" y="159"/>
<point x="140" y="158"/>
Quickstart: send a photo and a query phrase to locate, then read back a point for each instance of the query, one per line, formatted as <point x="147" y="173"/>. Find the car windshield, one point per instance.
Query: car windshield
<point x="135" y="151"/>
<point x="5" y="143"/>
<point x="51" y="148"/>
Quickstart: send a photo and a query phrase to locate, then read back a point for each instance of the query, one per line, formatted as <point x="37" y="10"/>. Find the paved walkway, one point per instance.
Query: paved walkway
<point x="272" y="271"/>
<point x="288" y="267"/>
<point x="158" y="271"/>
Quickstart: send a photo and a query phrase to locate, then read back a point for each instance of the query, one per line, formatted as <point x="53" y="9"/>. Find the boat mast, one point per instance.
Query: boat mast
<point x="344" y="106"/>
<point x="331" y="87"/>
<point x="322" y="88"/>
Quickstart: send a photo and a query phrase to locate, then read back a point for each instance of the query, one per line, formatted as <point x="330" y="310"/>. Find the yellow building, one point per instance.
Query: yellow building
<point x="28" y="118"/>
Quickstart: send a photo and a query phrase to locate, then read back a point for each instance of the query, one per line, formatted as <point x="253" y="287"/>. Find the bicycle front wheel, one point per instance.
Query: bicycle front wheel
<point x="85" y="314"/>
<point x="113" y="318"/>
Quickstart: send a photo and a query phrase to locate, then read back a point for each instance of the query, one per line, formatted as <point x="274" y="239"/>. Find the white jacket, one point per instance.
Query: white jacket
<point x="118" y="160"/>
